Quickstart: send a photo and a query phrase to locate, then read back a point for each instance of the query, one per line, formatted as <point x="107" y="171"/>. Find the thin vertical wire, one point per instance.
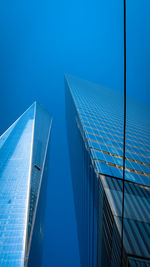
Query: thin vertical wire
<point x="124" y="133"/>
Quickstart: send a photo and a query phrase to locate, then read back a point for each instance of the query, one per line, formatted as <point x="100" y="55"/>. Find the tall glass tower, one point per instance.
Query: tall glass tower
<point x="107" y="234"/>
<point x="23" y="178"/>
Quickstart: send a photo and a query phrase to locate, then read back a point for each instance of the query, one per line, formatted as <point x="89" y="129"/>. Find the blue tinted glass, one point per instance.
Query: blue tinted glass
<point x="20" y="151"/>
<point x="40" y="143"/>
<point x="98" y="120"/>
<point x="15" y="157"/>
<point x="137" y="202"/>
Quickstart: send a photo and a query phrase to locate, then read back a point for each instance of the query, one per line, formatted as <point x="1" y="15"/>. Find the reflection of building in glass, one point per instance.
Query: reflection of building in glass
<point x="23" y="178"/>
<point x="95" y="133"/>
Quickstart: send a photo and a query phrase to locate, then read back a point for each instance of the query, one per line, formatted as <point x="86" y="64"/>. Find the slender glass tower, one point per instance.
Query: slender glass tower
<point x="23" y="177"/>
<point x="109" y="236"/>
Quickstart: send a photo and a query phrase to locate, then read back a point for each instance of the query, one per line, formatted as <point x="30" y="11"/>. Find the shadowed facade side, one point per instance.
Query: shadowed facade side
<point x="95" y="132"/>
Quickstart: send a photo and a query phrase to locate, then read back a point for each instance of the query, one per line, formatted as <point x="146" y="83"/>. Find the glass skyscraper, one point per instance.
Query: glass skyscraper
<point x="23" y="178"/>
<point x="107" y="234"/>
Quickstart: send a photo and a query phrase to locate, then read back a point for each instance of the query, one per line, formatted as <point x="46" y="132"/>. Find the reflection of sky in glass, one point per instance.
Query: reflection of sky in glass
<point x="101" y="116"/>
<point x="100" y="121"/>
<point x="22" y="145"/>
<point x="138" y="141"/>
<point x="14" y="181"/>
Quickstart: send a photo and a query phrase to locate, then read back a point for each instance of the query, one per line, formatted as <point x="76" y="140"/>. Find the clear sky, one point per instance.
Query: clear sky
<point x="39" y="42"/>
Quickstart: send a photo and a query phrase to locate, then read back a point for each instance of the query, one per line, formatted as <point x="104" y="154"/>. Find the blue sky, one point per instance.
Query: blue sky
<point x="39" y="42"/>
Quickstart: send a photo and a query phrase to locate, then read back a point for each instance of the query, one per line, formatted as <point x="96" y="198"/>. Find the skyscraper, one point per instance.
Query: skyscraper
<point x="23" y="178"/>
<point x="107" y="234"/>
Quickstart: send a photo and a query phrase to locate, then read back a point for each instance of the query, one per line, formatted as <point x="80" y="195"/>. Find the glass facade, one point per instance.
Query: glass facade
<point x="23" y="150"/>
<point x="95" y="121"/>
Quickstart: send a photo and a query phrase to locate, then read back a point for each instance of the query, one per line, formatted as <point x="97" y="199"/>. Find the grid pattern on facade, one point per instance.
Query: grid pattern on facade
<point x="14" y="178"/>
<point x="103" y="128"/>
<point x="22" y="146"/>
<point x="41" y="137"/>
<point x="99" y="119"/>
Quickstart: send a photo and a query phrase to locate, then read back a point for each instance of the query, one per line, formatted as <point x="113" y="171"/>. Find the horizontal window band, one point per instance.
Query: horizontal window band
<point x="133" y="152"/>
<point x="120" y="157"/>
<point x="112" y="134"/>
<point x="120" y="179"/>
<point x="117" y="142"/>
<point x="94" y="114"/>
<point x="116" y="129"/>
<point x="121" y="167"/>
<point x="113" y="123"/>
